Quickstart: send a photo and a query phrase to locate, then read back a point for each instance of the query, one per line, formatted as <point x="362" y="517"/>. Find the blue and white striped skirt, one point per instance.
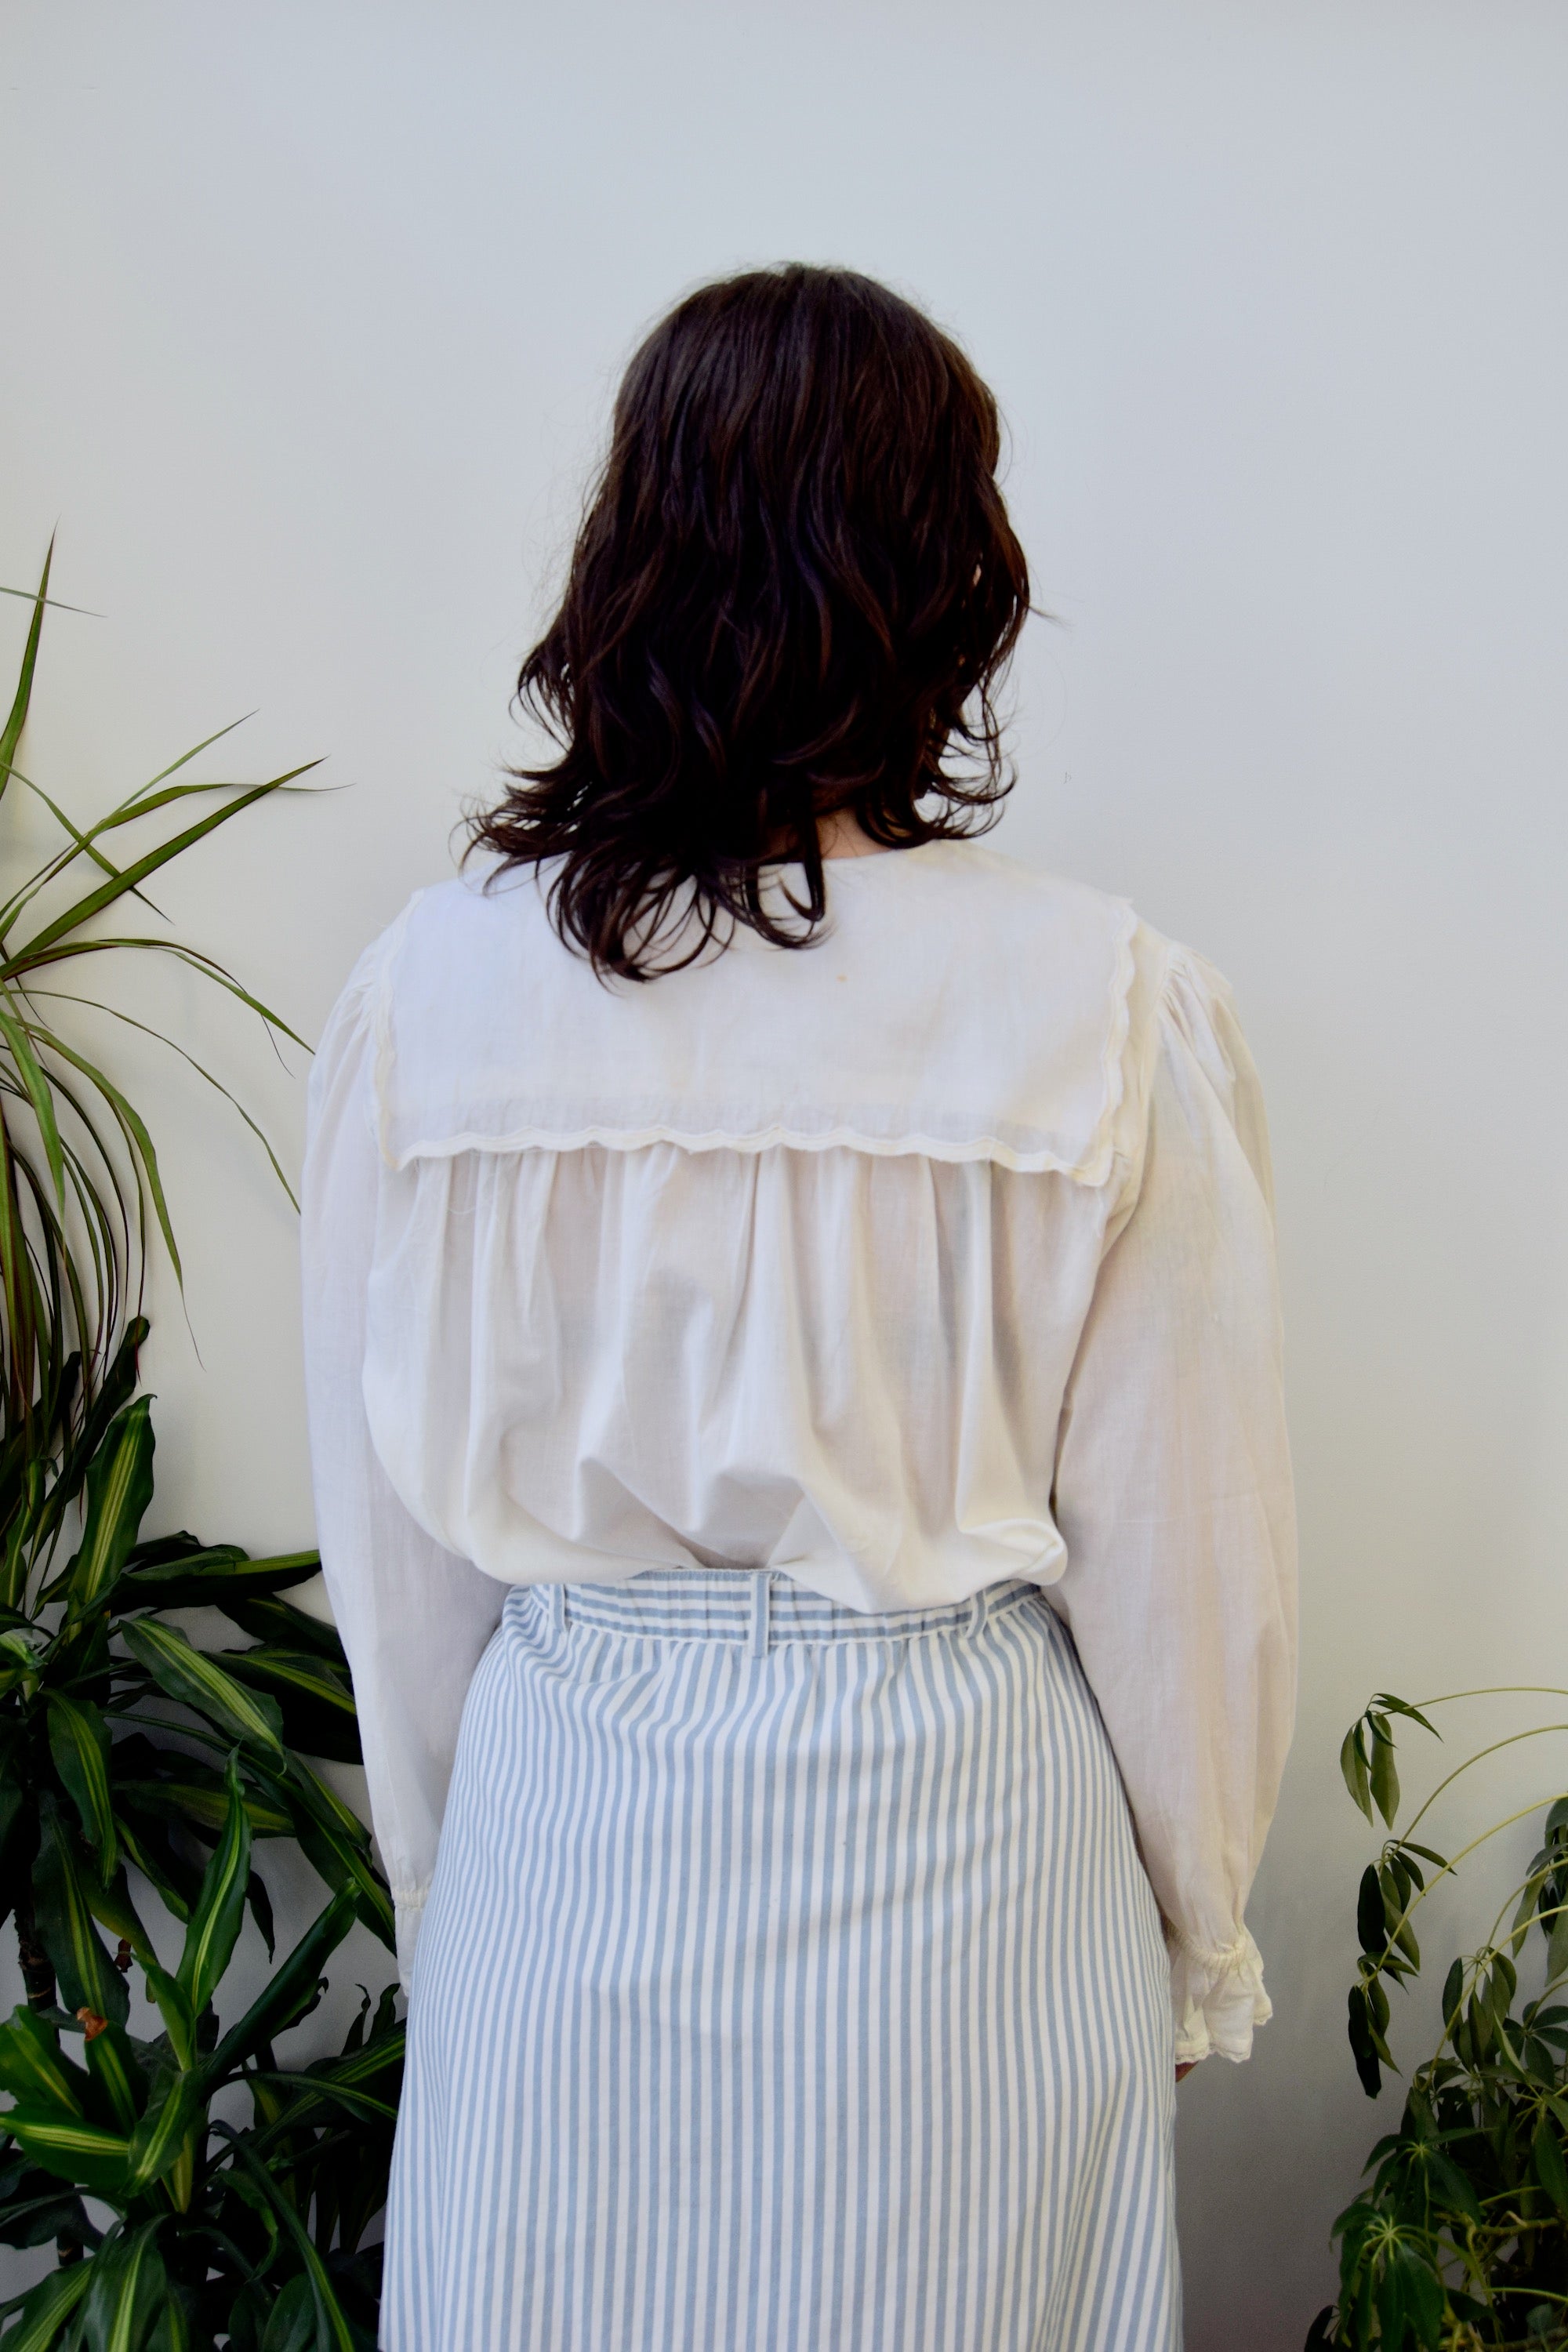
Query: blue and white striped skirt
<point x="789" y="1983"/>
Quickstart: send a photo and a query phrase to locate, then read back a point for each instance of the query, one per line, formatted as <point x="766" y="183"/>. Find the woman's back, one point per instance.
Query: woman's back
<point x="795" y="1398"/>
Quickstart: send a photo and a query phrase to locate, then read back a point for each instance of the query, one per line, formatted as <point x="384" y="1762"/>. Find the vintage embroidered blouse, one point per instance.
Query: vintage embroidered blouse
<point x="937" y="1252"/>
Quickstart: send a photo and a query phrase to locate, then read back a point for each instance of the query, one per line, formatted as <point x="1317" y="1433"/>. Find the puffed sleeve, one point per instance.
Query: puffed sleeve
<point x="413" y="1618"/>
<point x="1173" y="1495"/>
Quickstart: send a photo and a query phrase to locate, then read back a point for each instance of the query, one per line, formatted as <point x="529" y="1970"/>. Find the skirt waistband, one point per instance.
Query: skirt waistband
<point x="756" y="1608"/>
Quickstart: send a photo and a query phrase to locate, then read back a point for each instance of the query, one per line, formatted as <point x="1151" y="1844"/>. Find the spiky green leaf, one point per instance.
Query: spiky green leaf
<point x="119" y="1489"/>
<point x="215" y="1923"/>
<point x="46" y="2309"/>
<point x="79" y="1744"/>
<point x="188" y="1675"/>
<point x="74" y="2149"/>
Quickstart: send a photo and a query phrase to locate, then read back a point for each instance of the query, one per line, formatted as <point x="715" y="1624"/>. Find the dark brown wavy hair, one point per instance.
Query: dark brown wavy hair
<point x="792" y="592"/>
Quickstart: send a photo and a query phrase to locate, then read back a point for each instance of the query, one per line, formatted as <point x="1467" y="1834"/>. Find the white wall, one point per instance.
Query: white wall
<point x="313" y="312"/>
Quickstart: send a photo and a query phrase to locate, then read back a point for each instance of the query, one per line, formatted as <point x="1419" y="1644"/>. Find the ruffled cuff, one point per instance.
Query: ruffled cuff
<point x="1216" y="1993"/>
<point x="408" y="1910"/>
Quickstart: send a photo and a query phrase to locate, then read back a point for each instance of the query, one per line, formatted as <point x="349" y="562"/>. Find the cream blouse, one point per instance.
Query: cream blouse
<point x="939" y="1252"/>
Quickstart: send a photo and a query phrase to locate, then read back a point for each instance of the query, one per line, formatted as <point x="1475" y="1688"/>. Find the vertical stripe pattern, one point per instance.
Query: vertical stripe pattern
<point x="789" y="1982"/>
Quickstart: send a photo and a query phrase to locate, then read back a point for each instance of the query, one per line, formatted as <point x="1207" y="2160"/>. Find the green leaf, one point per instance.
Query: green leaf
<point x="32" y="2067"/>
<point x="333" y="2332"/>
<point x="1363" y="2047"/>
<point x="1557" y="1950"/>
<point x="175" y="2008"/>
<point x="16" y="718"/>
<point x="291" y="2322"/>
<point x="188" y="1675"/>
<point x="211" y="1578"/>
<point x="79" y="1742"/>
<point x="38" y="1089"/>
<point x="289" y="1987"/>
<point x="1423" y="2299"/>
<point x="279" y="1623"/>
<point x="1384" y="1779"/>
<point x="214" y="1925"/>
<point x="88" y="1976"/>
<point x="119" y="1489"/>
<point x="318" y="1710"/>
<point x="1455" y="2188"/>
<point x="94" y="901"/>
<point x="77" y="2150"/>
<point x="1453" y="1993"/>
<point x="128" y="2289"/>
<point x="1372" y="1926"/>
<point x="112" y="2063"/>
<point x="1546" y="2156"/>
<point x="1353" y="1765"/>
<point x="46" y="2308"/>
<point x="162" y="2132"/>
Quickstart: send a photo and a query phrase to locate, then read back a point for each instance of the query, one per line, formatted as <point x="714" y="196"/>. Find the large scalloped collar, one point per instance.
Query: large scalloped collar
<point x="961" y="1005"/>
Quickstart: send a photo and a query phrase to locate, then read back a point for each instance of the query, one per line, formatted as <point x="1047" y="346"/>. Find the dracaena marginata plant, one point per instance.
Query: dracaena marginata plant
<point x="1459" y="2242"/>
<point x="132" y="1755"/>
<point x="235" y="2228"/>
<point x="80" y="1186"/>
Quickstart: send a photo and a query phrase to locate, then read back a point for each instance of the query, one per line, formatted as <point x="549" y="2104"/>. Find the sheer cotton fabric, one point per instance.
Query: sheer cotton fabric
<point x="936" y="1255"/>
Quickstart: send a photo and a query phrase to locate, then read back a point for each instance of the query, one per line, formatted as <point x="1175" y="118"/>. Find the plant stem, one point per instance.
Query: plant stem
<point x="37" y="1975"/>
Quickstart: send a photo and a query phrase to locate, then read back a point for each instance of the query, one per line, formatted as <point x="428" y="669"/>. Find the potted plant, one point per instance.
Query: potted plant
<point x="128" y="1747"/>
<point x="1459" y="2241"/>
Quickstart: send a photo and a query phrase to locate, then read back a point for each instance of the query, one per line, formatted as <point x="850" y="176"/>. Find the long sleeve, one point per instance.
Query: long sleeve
<point x="413" y="1618"/>
<point x="1173" y="1495"/>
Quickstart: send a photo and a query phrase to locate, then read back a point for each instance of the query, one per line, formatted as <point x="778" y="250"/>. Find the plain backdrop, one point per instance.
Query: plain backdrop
<point x="313" y="310"/>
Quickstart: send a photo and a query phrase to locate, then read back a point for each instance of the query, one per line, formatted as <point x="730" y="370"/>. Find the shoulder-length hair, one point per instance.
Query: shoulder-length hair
<point x="793" y="591"/>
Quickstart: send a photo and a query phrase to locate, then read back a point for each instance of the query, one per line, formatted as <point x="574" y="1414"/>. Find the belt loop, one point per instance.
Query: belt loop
<point x="557" y="1608"/>
<point x="762" y="1629"/>
<point x="979" y="1609"/>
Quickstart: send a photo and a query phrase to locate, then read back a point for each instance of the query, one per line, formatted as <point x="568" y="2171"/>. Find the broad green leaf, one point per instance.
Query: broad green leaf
<point x="1385" y="1780"/>
<point x="1455" y="2188"/>
<point x="291" y="2322"/>
<point x="1372" y="1926"/>
<point x="211" y="1579"/>
<point x="1388" y="1704"/>
<point x="1361" y="2044"/>
<point x="128" y="2289"/>
<point x="196" y="1800"/>
<point x="119" y="1489"/>
<point x="32" y="2067"/>
<point x="88" y="1976"/>
<point x="172" y="2330"/>
<point x="186" y="1674"/>
<point x="1546" y="2155"/>
<point x="289" y="1987"/>
<point x="175" y="2008"/>
<point x="175" y="1880"/>
<point x="1453" y="1993"/>
<point x="333" y="2332"/>
<point x="46" y="2309"/>
<point x="215" y="1923"/>
<point x="79" y="1742"/>
<point x="158" y="2138"/>
<point x="112" y="2063"/>
<point x="318" y="1708"/>
<point x="77" y="2150"/>
<point x="114" y="1391"/>
<point x="1423" y="2299"/>
<point x="1354" y="1766"/>
<point x="1557" y="1952"/>
<point x="277" y="1622"/>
